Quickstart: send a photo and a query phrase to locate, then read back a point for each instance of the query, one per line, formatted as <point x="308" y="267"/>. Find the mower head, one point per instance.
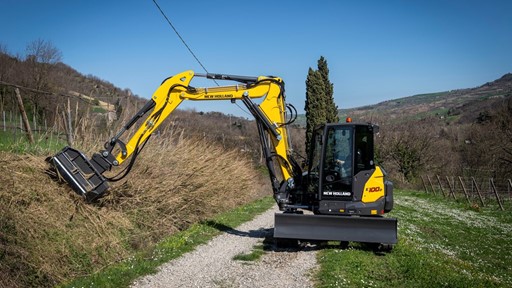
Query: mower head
<point x="84" y="176"/>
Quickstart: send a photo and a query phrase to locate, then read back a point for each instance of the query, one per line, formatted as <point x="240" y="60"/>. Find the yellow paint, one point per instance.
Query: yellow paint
<point x="374" y="188"/>
<point x="175" y="89"/>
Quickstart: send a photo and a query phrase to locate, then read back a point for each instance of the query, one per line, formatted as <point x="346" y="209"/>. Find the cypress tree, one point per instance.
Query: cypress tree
<point x="320" y="107"/>
<point x="315" y="104"/>
<point x="332" y="109"/>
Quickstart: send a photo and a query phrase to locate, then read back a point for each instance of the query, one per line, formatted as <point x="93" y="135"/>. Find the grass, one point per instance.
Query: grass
<point x="124" y="273"/>
<point x="254" y="255"/>
<point x="18" y="143"/>
<point x="441" y="244"/>
<point x="48" y="235"/>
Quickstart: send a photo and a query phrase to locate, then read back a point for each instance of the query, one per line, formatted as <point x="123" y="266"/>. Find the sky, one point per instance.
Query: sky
<point x="375" y="50"/>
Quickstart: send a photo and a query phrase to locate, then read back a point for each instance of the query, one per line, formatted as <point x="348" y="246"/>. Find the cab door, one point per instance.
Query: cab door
<point x="332" y="162"/>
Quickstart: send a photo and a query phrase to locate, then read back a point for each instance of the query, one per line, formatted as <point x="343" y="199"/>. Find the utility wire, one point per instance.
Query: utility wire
<point x="182" y="40"/>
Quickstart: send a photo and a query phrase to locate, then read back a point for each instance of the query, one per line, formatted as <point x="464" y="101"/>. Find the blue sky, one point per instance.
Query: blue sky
<point x="375" y="50"/>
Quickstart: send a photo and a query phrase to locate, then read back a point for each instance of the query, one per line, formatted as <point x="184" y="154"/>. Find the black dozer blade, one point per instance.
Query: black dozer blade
<point x="330" y="227"/>
<point x="83" y="175"/>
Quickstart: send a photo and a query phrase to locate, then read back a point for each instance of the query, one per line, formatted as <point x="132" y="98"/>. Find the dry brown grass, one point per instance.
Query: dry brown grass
<point x="48" y="234"/>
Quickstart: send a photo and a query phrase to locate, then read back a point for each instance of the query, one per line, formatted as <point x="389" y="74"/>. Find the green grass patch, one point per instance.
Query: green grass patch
<point x="19" y="144"/>
<point x="254" y="255"/>
<point x="124" y="273"/>
<point x="441" y="244"/>
<point x="99" y="109"/>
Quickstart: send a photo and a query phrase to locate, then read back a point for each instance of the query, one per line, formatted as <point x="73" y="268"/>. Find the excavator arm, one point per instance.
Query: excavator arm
<point x="86" y="176"/>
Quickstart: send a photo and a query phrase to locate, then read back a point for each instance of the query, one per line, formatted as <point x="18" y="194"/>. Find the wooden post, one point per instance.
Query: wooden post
<point x="464" y="189"/>
<point x="509" y="189"/>
<point x="34" y="120"/>
<point x="496" y="193"/>
<point x="71" y="137"/>
<point x="432" y="186"/>
<point x="478" y="191"/>
<point x="424" y="185"/>
<point x="440" y="185"/>
<point x="24" y="116"/>
<point x="451" y="187"/>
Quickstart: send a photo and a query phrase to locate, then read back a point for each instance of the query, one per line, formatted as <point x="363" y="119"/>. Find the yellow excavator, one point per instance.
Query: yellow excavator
<point x="342" y="196"/>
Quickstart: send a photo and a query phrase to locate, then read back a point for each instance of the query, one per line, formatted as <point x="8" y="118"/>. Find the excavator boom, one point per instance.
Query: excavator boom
<point x="86" y="176"/>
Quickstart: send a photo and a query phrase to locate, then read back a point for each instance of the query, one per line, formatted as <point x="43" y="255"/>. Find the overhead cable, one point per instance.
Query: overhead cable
<point x="181" y="38"/>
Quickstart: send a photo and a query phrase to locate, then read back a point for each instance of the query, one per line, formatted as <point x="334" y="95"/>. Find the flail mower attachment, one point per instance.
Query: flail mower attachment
<point x="83" y="175"/>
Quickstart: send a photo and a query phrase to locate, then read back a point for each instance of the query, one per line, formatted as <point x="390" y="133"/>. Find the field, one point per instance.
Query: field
<point x="441" y="244"/>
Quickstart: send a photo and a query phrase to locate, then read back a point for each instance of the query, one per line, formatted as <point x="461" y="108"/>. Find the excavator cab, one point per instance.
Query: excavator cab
<point x="334" y="162"/>
<point x="343" y="175"/>
<point x="344" y="188"/>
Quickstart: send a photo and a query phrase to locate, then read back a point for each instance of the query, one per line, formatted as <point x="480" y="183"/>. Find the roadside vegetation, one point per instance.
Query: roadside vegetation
<point x="49" y="235"/>
<point x="122" y="274"/>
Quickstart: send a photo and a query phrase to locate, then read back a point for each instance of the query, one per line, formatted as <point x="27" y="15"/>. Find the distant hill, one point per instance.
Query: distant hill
<point x="455" y="106"/>
<point x="459" y="106"/>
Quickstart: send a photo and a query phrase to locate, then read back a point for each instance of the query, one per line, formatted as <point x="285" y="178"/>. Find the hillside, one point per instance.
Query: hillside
<point x="46" y="89"/>
<point x="455" y="106"/>
<point x="459" y="132"/>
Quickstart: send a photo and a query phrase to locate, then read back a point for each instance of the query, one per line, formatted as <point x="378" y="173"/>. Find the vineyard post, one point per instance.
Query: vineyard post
<point x="496" y="194"/>
<point x="432" y="186"/>
<point x="440" y="185"/>
<point x="26" y="124"/>
<point x="464" y="189"/>
<point x="478" y="191"/>
<point x="424" y="185"/>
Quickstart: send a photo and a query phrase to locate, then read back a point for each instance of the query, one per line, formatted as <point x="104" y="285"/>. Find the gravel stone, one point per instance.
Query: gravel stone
<point x="212" y="264"/>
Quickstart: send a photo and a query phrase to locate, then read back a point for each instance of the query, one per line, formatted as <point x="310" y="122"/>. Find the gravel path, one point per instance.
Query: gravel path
<point x="212" y="264"/>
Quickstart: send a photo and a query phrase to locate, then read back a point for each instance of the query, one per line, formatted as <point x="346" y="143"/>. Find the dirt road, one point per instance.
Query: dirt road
<point x="212" y="264"/>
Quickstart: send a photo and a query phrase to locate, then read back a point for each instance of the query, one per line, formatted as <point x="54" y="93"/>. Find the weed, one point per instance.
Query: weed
<point x="254" y="255"/>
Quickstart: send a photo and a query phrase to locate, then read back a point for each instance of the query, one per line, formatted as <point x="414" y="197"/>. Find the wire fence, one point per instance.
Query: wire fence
<point x="476" y="191"/>
<point x="19" y="120"/>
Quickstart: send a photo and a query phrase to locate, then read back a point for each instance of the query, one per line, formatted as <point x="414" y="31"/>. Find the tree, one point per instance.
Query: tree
<point x="315" y="104"/>
<point x="487" y="150"/>
<point x="331" y="107"/>
<point x="42" y="57"/>
<point x="406" y="150"/>
<point x="320" y="107"/>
